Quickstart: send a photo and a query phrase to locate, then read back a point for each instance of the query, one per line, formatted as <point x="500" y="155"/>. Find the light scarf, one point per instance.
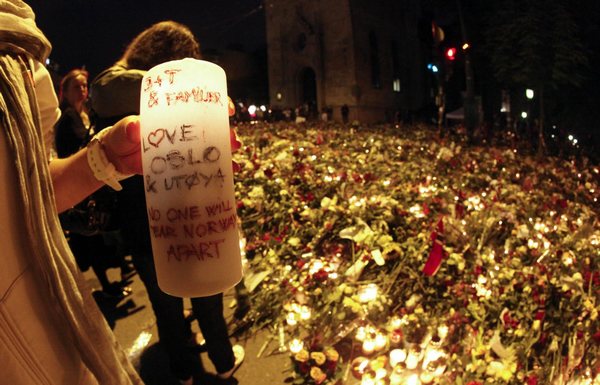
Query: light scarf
<point x="52" y="261"/>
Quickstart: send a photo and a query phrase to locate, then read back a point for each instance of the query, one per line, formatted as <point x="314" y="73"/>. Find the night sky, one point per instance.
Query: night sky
<point x="94" y="33"/>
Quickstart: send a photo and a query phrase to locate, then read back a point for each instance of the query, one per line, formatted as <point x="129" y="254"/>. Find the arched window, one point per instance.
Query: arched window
<point x="374" y="57"/>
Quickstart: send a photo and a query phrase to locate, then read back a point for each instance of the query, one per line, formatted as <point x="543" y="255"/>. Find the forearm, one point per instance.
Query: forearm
<point x="73" y="180"/>
<point x="117" y="147"/>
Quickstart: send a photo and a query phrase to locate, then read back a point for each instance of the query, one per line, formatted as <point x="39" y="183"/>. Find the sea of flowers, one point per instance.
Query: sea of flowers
<point x="386" y="255"/>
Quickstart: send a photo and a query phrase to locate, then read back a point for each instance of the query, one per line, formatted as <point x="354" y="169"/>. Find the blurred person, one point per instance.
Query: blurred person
<point x="72" y="131"/>
<point x="115" y="92"/>
<point x="52" y="330"/>
<point x="72" y="128"/>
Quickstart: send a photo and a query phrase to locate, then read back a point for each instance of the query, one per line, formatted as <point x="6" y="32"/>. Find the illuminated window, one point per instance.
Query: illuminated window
<point x="396" y="85"/>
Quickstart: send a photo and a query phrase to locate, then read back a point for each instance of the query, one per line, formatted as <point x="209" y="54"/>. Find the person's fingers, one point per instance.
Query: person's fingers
<point x="122" y="145"/>
<point x="132" y="131"/>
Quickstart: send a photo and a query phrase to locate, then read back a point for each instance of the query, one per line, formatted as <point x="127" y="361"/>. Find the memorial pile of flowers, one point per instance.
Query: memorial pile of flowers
<point x="419" y="260"/>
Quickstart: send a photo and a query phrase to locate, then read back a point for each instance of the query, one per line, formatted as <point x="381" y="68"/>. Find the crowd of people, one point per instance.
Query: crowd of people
<point x="56" y="334"/>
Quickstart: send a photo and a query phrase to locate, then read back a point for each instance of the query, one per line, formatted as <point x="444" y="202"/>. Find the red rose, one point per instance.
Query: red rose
<point x="596" y="337"/>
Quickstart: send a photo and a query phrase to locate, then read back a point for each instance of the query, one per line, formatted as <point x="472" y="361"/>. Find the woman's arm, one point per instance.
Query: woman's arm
<point x="72" y="177"/>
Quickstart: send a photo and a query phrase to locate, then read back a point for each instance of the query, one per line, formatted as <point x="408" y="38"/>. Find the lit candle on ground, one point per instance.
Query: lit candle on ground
<point x="380" y="341"/>
<point x="426" y="378"/>
<point x="296" y="345"/>
<point x="305" y="312"/>
<point x="397" y="376"/>
<point x="359" y="366"/>
<point x="380" y="374"/>
<point x="396" y="322"/>
<point x="291" y="319"/>
<point x="413" y="358"/>
<point x="397" y="356"/>
<point x="368" y="346"/>
<point x="367" y="380"/>
<point x="413" y="379"/>
<point x="361" y="333"/>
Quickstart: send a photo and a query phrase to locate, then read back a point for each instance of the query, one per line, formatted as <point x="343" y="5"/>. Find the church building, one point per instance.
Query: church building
<point x="363" y="54"/>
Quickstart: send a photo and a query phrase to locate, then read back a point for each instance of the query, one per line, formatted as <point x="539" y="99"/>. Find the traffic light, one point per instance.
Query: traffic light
<point x="451" y="53"/>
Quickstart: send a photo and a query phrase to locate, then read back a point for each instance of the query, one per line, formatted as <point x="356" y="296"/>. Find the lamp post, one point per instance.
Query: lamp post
<point x="469" y="103"/>
<point x="529" y="94"/>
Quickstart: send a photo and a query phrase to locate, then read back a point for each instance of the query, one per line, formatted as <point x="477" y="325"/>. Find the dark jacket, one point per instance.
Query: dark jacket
<point x="114" y="94"/>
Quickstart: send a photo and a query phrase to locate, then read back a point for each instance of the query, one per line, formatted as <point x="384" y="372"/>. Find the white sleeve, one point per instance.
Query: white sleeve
<point x="47" y="104"/>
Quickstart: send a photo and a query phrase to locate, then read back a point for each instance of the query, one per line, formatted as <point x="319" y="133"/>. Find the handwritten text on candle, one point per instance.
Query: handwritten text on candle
<point x="196" y="224"/>
<point x="194" y="94"/>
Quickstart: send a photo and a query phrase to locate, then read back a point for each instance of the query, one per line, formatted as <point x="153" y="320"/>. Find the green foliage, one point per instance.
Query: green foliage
<point x="534" y="43"/>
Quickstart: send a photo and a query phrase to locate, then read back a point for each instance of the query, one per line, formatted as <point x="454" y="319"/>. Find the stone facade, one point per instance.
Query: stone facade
<point x="365" y="54"/>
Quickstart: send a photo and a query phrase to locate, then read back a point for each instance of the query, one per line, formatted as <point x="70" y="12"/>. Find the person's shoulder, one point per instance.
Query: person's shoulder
<point x="67" y="114"/>
<point x="118" y="73"/>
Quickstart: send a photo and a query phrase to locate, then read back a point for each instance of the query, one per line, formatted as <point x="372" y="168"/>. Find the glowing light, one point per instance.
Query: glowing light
<point x="413" y="358"/>
<point x="305" y="312"/>
<point x="361" y="333"/>
<point x="442" y="331"/>
<point x="524" y="115"/>
<point x="426" y="378"/>
<point x="296" y="345"/>
<point x="138" y="346"/>
<point x="367" y="293"/>
<point x="380" y="341"/>
<point x="397" y="356"/>
<point x="368" y="346"/>
<point x="465" y="46"/>
<point x="413" y="379"/>
<point x="291" y="319"/>
<point x="368" y="380"/>
<point x="529" y="93"/>
<point x="396" y="322"/>
<point x="252" y="110"/>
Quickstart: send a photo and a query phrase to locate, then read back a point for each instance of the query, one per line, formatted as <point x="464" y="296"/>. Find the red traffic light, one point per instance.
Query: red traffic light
<point x="451" y="53"/>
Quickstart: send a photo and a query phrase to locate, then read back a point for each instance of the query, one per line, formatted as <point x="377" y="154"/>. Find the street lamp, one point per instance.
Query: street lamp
<point x="529" y="93"/>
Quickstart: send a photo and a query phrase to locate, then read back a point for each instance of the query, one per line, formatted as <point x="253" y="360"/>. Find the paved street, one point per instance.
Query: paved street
<point x="133" y="322"/>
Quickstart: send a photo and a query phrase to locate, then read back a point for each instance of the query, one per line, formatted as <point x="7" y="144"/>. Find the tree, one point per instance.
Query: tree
<point x="534" y="44"/>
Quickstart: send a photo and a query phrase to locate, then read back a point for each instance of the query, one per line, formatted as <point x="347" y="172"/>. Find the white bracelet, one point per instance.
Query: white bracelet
<point x="102" y="168"/>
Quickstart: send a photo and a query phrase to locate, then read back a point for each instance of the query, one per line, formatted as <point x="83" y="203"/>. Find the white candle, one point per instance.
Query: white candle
<point x="397" y="356"/>
<point x="396" y="377"/>
<point x="380" y="341"/>
<point x="413" y="379"/>
<point x="413" y="358"/>
<point x="188" y="178"/>
<point x="368" y="346"/>
<point x="361" y="333"/>
<point x="426" y="378"/>
<point x="296" y="345"/>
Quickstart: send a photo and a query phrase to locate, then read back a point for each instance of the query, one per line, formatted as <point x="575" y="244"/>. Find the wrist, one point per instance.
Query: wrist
<point x="102" y="168"/>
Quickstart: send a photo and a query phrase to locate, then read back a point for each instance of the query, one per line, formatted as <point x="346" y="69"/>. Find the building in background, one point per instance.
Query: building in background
<point x="324" y="54"/>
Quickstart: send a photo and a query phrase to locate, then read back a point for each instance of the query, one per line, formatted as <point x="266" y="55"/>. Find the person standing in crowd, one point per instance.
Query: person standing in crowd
<point x="72" y="128"/>
<point x="345" y="113"/>
<point x="72" y="131"/>
<point x="52" y="331"/>
<point x="114" y="93"/>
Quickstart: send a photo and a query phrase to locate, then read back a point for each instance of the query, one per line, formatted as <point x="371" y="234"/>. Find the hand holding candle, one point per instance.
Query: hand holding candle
<point x="186" y="154"/>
